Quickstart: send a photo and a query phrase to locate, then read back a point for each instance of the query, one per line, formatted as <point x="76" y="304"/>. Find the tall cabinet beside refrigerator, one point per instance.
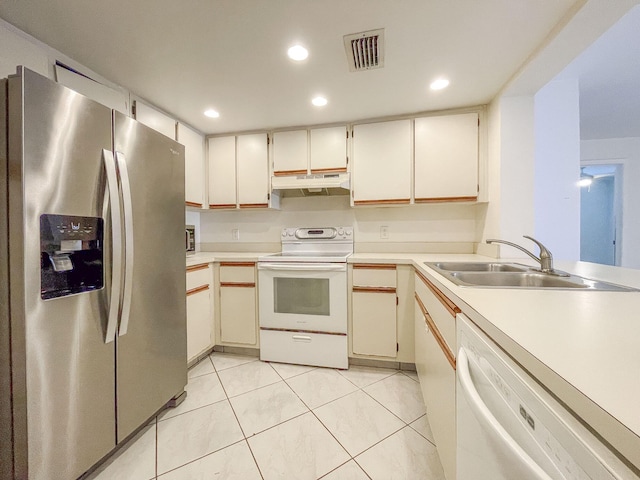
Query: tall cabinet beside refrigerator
<point x="92" y="305"/>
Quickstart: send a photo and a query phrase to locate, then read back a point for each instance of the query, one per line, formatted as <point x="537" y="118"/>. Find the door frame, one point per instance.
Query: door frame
<point x="618" y="199"/>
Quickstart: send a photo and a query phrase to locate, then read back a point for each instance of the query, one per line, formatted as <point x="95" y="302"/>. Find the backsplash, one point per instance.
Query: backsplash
<point x="437" y="224"/>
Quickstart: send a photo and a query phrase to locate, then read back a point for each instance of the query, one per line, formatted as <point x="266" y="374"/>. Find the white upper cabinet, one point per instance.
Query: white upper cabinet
<point x="222" y="172"/>
<point x="318" y="150"/>
<point x="382" y="156"/>
<point x="328" y="149"/>
<point x="290" y="153"/>
<point x="253" y="171"/>
<point x="446" y="158"/>
<point x="154" y="119"/>
<point x="194" y="179"/>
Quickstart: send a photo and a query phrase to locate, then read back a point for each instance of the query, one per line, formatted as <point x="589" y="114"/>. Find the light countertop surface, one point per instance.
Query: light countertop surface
<point x="583" y="346"/>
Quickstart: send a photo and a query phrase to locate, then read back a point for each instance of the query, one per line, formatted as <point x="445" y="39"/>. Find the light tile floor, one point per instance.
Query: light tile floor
<point x="246" y="419"/>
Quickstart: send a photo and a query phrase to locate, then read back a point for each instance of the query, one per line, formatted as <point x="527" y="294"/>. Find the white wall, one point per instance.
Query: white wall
<point x="517" y="167"/>
<point x="627" y="152"/>
<point x="417" y="224"/>
<point x="17" y="49"/>
<point x="557" y="152"/>
<point x="509" y="214"/>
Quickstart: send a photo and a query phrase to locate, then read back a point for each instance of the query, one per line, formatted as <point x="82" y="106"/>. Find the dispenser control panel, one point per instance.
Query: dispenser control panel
<point x="71" y="255"/>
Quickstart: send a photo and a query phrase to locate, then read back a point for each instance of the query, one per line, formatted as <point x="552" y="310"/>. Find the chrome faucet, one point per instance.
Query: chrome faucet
<point x="545" y="259"/>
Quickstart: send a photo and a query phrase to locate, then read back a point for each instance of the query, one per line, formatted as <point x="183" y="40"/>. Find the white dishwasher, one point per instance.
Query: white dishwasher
<point x="510" y="428"/>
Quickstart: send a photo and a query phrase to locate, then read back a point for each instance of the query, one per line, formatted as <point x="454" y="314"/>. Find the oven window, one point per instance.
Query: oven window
<point x="304" y="296"/>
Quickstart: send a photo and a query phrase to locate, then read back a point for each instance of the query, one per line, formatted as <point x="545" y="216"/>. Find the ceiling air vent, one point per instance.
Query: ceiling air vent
<point x="365" y="50"/>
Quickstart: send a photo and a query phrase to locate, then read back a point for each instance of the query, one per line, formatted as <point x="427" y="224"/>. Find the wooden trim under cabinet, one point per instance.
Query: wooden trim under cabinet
<point x="390" y="201"/>
<point x="374" y="289"/>
<point x="193" y="204"/>
<point x="451" y="307"/>
<point x="329" y="170"/>
<point x="238" y="284"/>
<point x="221" y="205"/>
<point x="284" y="173"/>
<point x="199" y="289"/>
<point x="195" y="268"/>
<point x="237" y="264"/>
<point x="446" y="199"/>
<point x="254" y="205"/>
<point x="436" y="334"/>
<point x="375" y="266"/>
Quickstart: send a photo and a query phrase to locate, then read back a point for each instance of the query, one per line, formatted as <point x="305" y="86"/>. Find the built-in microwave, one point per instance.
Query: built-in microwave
<point x="190" y="239"/>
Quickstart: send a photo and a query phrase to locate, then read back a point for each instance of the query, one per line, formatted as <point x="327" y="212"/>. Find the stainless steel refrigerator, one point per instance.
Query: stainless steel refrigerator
<point x="92" y="278"/>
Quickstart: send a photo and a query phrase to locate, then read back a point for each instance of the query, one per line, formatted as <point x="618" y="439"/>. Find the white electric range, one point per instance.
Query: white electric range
<point x="303" y="298"/>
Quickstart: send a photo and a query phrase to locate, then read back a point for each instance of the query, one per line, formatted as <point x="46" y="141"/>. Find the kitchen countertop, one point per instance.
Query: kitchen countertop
<point x="210" y="257"/>
<point x="583" y="346"/>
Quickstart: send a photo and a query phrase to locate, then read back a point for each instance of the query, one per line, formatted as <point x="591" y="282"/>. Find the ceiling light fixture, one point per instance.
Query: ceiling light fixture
<point x="585" y="179"/>
<point x="319" y="101"/>
<point x="439" y="84"/>
<point x="298" y="53"/>
<point x="211" y="113"/>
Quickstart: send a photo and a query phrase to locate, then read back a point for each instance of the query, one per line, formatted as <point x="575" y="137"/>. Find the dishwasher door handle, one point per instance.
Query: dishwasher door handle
<point x="489" y="422"/>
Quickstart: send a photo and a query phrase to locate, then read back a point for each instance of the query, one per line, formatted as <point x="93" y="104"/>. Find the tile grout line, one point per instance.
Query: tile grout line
<point x="201" y="457"/>
<point x="255" y="461"/>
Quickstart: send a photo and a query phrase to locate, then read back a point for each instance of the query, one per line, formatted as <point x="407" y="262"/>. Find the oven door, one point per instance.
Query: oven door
<point x="303" y="296"/>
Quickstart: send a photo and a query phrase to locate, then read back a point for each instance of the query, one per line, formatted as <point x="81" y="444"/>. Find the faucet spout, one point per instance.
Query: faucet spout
<point x="545" y="259"/>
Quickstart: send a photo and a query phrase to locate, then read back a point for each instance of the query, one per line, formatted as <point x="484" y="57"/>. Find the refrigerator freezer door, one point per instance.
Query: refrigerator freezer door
<point x="151" y="355"/>
<point x="62" y="370"/>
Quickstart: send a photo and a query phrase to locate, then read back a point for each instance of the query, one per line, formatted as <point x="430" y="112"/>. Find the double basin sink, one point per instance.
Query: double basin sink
<point x="516" y="275"/>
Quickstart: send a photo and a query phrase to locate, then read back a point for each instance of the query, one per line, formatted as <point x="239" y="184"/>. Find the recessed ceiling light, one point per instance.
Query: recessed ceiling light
<point x="439" y="84"/>
<point x="211" y="113"/>
<point x="298" y="53"/>
<point x="319" y="101"/>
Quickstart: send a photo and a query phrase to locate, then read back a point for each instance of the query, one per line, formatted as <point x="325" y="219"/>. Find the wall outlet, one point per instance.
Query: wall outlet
<point x="235" y="234"/>
<point x="384" y="231"/>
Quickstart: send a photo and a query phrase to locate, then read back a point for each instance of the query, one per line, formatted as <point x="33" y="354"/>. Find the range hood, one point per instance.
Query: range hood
<point x="316" y="184"/>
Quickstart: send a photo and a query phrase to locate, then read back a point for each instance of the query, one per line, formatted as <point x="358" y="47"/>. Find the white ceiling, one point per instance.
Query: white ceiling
<point x="231" y="54"/>
<point x="608" y="73"/>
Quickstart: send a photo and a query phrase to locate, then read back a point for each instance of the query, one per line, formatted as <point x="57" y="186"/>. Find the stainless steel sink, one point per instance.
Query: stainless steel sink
<point x="515" y="275"/>
<point x="515" y="279"/>
<point x="479" y="267"/>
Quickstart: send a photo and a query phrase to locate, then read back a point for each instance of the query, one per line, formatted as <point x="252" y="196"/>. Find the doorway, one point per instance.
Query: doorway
<point x="600" y="213"/>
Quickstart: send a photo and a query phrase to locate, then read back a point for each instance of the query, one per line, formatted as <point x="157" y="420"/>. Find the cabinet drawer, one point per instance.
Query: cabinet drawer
<point x="370" y="275"/>
<point x="198" y="275"/>
<point x="237" y="272"/>
<point x="442" y="315"/>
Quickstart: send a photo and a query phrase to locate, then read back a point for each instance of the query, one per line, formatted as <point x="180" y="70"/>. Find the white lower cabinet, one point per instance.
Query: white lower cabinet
<point x="238" y="314"/>
<point x="238" y="325"/>
<point x="374" y="311"/>
<point x="199" y="310"/>
<point x="374" y="323"/>
<point x="436" y="367"/>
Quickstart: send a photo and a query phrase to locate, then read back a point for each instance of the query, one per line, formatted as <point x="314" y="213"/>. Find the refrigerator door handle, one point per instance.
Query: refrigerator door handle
<point x="116" y="245"/>
<point x="128" y="243"/>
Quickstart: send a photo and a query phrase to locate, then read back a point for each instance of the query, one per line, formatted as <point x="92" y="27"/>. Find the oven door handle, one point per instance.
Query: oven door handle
<point x="306" y="267"/>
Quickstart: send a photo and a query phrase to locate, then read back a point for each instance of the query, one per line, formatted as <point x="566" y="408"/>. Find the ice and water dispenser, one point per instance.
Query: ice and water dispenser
<point x="71" y="251"/>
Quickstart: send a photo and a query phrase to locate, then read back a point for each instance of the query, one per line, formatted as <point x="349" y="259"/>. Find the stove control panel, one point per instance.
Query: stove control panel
<point x="325" y="234"/>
